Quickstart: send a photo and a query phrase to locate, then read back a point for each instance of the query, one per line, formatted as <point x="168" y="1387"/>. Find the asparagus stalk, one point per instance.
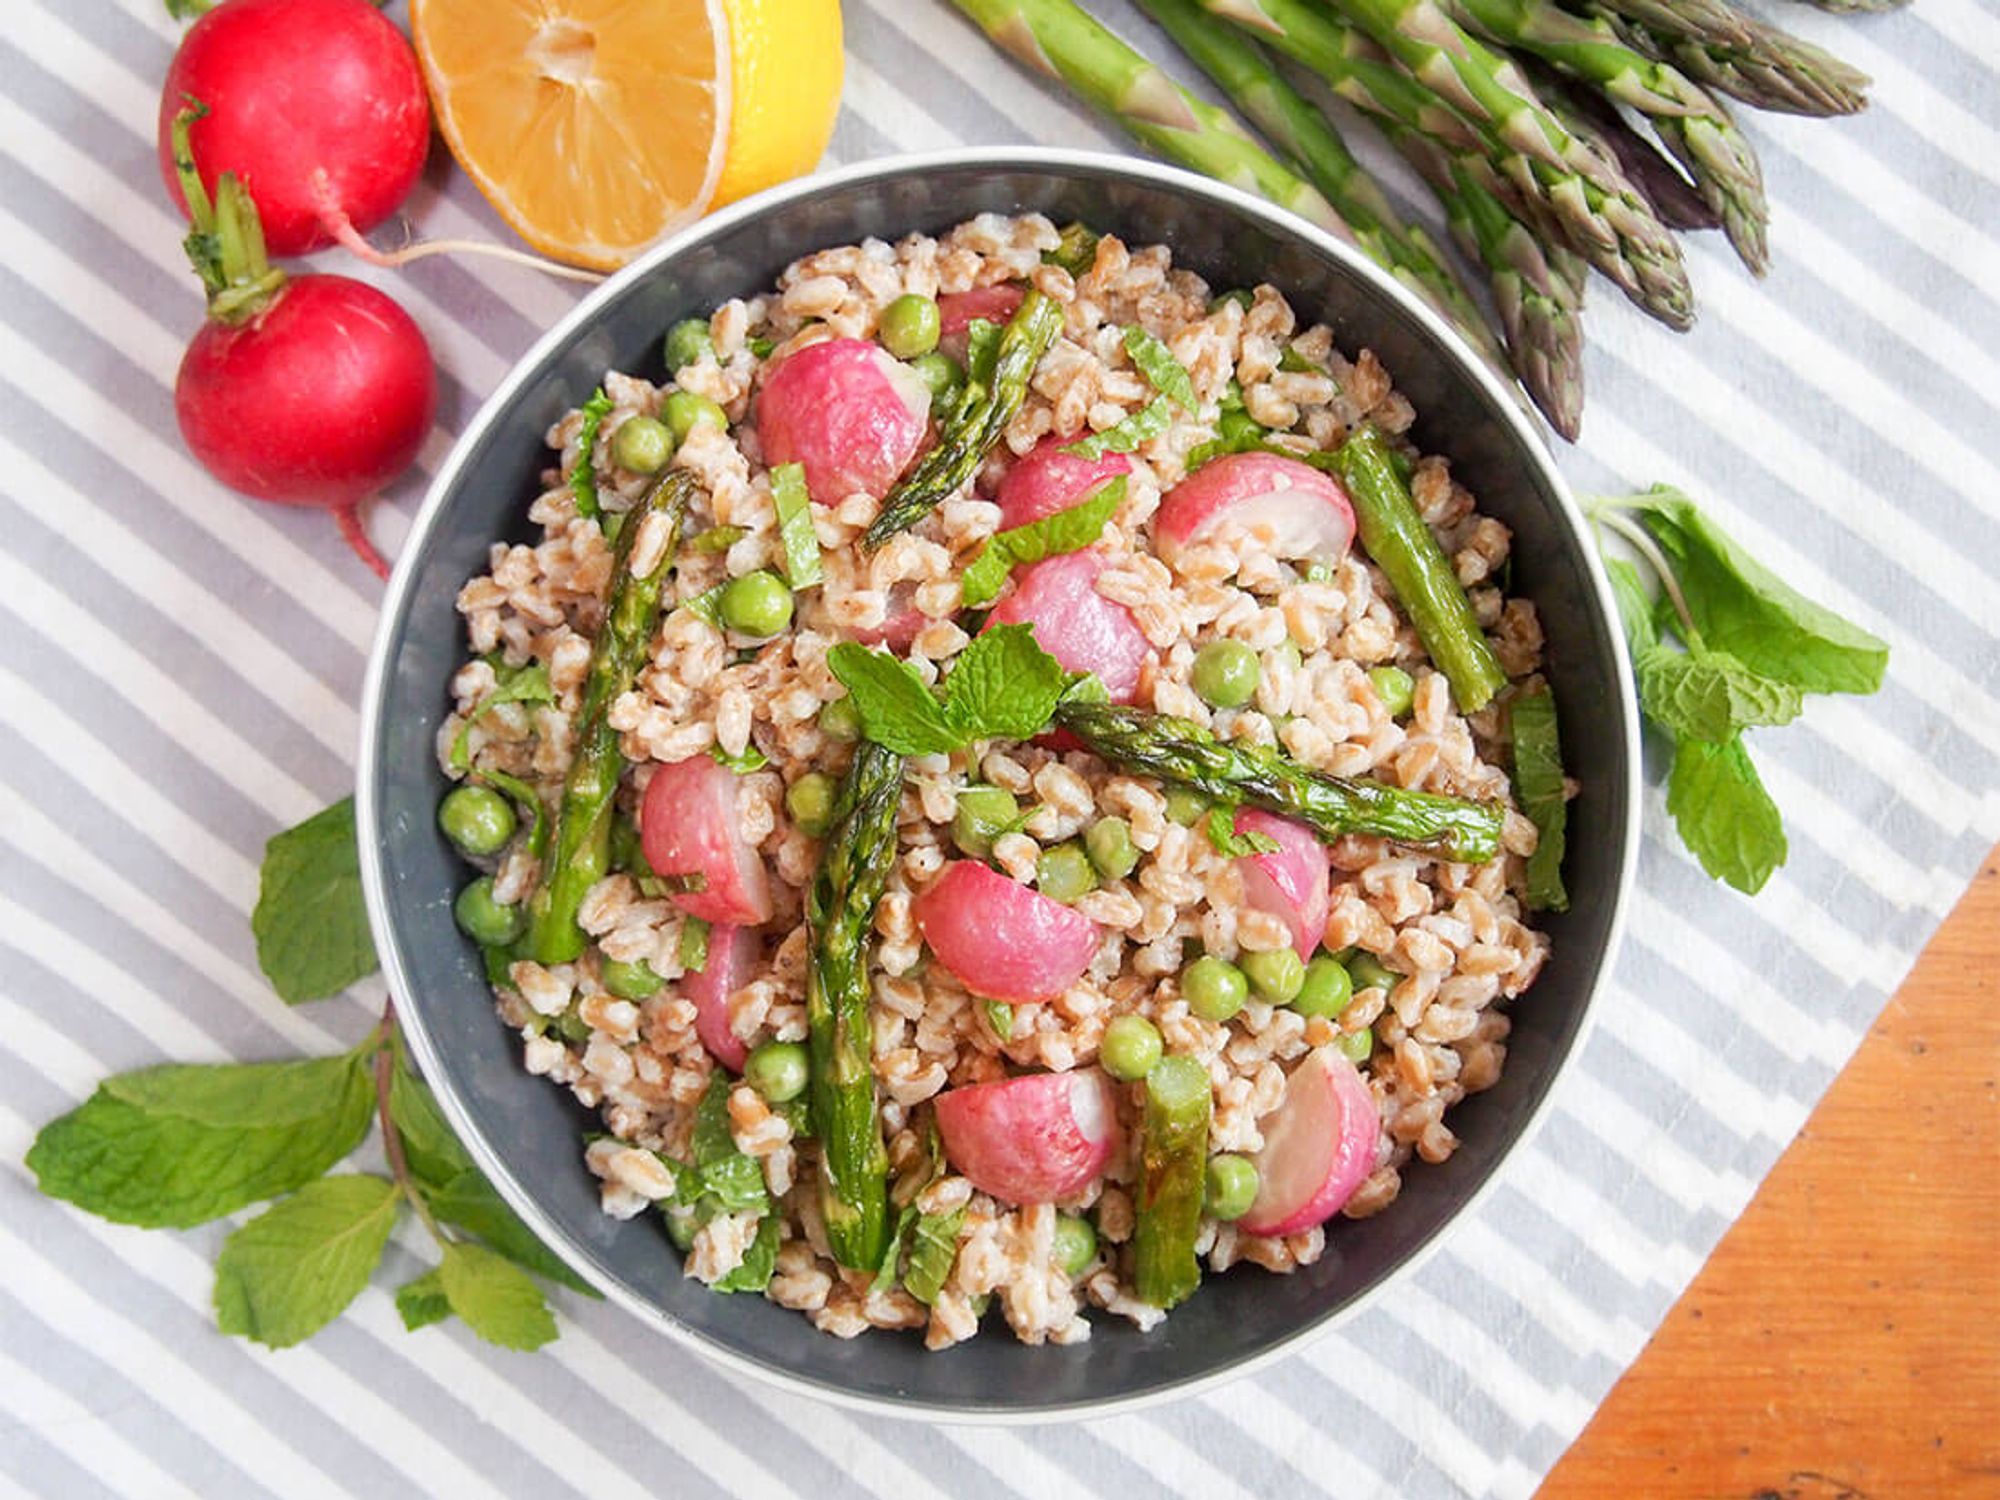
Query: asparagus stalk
<point x="1537" y="287"/>
<point x="1762" y="65"/>
<point x="1538" y="782"/>
<point x="854" y="867"/>
<point x="1856" y="7"/>
<point x="1571" y="192"/>
<point x="1244" y="72"/>
<point x="582" y="839"/>
<point x="982" y="416"/>
<point x="1174" y="1160"/>
<point x="1402" y="546"/>
<point x="1587" y="112"/>
<point x="1060" y="39"/>
<point x="1183" y="753"/>
<point x="1695" y="126"/>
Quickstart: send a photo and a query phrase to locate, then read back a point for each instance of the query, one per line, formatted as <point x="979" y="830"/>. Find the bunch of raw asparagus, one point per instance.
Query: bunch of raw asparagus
<point x="1558" y="135"/>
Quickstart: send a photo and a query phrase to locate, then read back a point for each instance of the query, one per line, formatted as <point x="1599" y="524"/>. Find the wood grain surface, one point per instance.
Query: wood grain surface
<point x="1844" y="1340"/>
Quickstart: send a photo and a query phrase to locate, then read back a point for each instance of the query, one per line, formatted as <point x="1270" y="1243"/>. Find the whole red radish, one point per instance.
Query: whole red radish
<point x="313" y="391"/>
<point x="316" y="106"/>
<point x="1038" y="1138"/>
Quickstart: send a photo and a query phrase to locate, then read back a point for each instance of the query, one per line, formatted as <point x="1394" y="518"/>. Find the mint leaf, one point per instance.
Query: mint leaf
<point x="238" y="1095"/>
<point x="527" y="802"/>
<point x="1635" y="606"/>
<point x="495" y="1298"/>
<point x="160" y="1169"/>
<point x="706" y="606"/>
<point x="1067" y="530"/>
<point x="752" y="759"/>
<point x="469" y="1202"/>
<point x="753" y="1273"/>
<point x="982" y="352"/>
<point x="292" y="1270"/>
<point x="526" y="684"/>
<point x="1740" y="606"/>
<point x="710" y="1142"/>
<point x="1228" y="842"/>
<point x="1000" y="1016"/>
<point x="1290" y="360"/>
<point x="795" y="526"/>
<point x="933" y="1252"/>
<point x="1003" y="686"/>
<point x="897" y="709"/>
<point x="718" y="539"/>
<point x="1709" y="694"/>
<point x="694" y="945"/>
<point x="1157" y="363"/>
<point x="433" y="1152"/>
<point x="1726" y="818"/>
<point x="583" y="478"/>
<point x="1142" y="426"/>
<point x="422" y="1302"/>
<point x="310" y="923"/>
<point x="1538" y="782"/>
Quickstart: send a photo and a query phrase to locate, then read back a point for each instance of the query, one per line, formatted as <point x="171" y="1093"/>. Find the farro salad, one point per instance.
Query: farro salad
<point x="1004" y="782"/>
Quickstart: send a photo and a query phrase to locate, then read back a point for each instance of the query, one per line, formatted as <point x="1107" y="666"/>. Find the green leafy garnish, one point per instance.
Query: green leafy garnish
<point x="897" y="708"/>
<point x="1003" y="686"/>
<point x="1068" y="530"/>
<point x="294" y="1268"/>
<point x="422" y="1302"/>
<point x="1076" y="252"/>
<point x="523" y="684"/>
<point x="795" y="527"/>
<point x="1157" y="363"/>
<point x="1709" y="694"/>
<point x="720" y="1180"/>
<point x="933" y="1252"/>
<point x="718" y="539"/>
<point x="1295" y="363"/>
<point x="310" y="922"/>
<point x="1142" y="426"/>
<point x="749" y="759"/>
<point x="1220" y="826"/>
<point x="1725" y="817"/>
<point x="982" y="353"/>
<point x="706" y="606"/>
<point x="694" y="945"/>
<point x="1000" y="1015"/>
<point x="494" y="1297"/>
<point x="583" y="478"/>
<point x="1538" y="782"/>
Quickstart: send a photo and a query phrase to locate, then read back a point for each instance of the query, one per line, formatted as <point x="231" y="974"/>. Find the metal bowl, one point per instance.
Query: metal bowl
<point x="526" y="1134"/>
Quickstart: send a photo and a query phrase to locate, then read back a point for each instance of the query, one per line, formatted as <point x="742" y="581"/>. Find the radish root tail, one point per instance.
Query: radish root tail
<point x="348" y="517"/>
<point x="334" y="220"/>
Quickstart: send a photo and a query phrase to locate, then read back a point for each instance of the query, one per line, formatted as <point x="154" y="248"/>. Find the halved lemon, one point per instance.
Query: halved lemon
<point x="595" y="126"/>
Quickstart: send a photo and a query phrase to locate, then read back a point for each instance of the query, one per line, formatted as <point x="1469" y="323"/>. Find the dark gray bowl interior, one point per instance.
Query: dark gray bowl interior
<point x="529" y="1131"/>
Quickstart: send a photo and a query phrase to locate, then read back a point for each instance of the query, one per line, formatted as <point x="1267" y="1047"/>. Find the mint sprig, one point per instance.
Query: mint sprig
<point x="310" y="923"/>
<point x="1002" y="686"/>
<point x="583" y="478"/>
<point x="1726" y="647"/>
<point x="1156" y="362"/>
<point x="1141" y="427"/>
<point x="1068" y="530"/>
<point x="795" y="527"/>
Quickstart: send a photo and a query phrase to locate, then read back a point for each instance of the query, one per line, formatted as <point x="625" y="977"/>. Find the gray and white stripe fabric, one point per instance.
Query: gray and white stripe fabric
<point x="178" y="679"/>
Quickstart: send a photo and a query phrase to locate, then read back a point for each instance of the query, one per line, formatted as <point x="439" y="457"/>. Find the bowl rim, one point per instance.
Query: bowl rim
<point x="1501" y="398"/>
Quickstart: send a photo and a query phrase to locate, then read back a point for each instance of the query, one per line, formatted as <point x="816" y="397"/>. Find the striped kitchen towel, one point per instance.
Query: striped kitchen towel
<point x="179" y="677"/>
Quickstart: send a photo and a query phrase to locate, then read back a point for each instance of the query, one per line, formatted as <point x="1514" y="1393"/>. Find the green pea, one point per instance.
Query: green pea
<point x="1064" y="873"/>
<point x="1215" y="988"/>
<point x="1230" y="1187"/>
<point x="910" y="326"/>
<point x="984" y="813"/>
<point x="810" y="802"/>
<point x="688" y="343"/>
<point x="840" y="719"/>
<point x="756" y="604"/>
<point x="1185" y="805"/>
<point x="629" y="981"/>
<point x="1109" y="844"/>
<point x="642" y="445"/>
<point x="1396" y="689"/>
<point x="1357" y="1046"/>
<point x="684" y="411"/>
<point x="1074" y="1245"/>
<point x="777" y="1070"/>
<point x="1225" y="674"/>
<point x="1327" y="991"/>
<point x="1238" y="426"/>
<point x="1242" y="296"/>
<point x="1130" y="1047"/>
<point x="1277" y="975"/>
<point x="1370" y="973"/>
<point x="485" y="920"/>
<point x="940" y="372"/>
<point x="477" y="819"/>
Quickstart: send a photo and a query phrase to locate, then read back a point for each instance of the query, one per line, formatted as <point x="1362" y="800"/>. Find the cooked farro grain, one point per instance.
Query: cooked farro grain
<point x="1455" y="936"/>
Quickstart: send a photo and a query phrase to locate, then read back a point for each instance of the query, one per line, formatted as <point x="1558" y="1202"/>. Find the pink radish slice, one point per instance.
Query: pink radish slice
<point x="1292" y="882"/>
<point x="1045" y="480"/>
<point x="731" y="951"/>
<point x="1319" y="1145"/>
<point x="996" y="304"/>
<point x="688" y="825"/>
<point x="1289" y="508"/>
<point x="1038" y="1138"/>
<point x="849" y="413"/>
<point x="1074" y="623"/>
<point x="900" y="623"/>
<point x="1000" y="939"/>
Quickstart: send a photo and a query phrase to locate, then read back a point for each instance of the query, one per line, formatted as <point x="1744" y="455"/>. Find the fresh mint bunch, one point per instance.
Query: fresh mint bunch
<point x="1726" y="646"/>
